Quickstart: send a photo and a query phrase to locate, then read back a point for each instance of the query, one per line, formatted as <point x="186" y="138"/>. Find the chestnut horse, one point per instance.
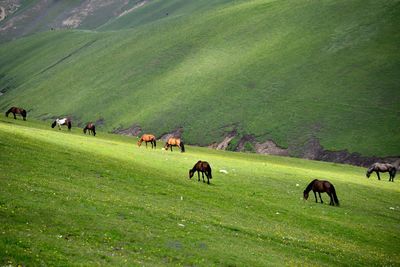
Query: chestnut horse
<point x="15" y="110"/>
<point x="382" y="167"/>
<point x="63" y="121"/>
<point x="172" y="141"/>
<point x="322" y="186"/>
<point x="148" y="138"/>
<point x="204" y="168"/>
<point x="91" y="128"/>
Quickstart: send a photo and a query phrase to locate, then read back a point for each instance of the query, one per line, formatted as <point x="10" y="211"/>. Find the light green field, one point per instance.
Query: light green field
<point x="71" y="199"/>
<point x="283" y="70"/>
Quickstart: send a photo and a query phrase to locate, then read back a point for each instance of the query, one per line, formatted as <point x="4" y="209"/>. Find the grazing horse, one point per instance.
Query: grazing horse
<point x="322" y="186"/>
<point x="204" y="168"/>
<point x="148" y="138"/>
<point x="15" y="110"/>
<point x="382" y="167"/>
<point x="63" y="121"/>
<point x="91" y="128"/>
<point x="174" y="142"/>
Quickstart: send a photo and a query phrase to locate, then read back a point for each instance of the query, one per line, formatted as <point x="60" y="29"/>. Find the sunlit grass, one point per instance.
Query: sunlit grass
<point x="71" y="199"/>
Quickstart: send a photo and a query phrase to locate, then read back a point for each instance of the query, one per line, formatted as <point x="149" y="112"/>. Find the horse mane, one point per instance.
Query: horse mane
<point x="310" y="185"/>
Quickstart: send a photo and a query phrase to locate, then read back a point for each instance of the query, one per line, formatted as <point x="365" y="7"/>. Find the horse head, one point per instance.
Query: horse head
<point x="191" y="173"/>
<point x="139" y="143"/>
<point x="305" y="195"/>
<point x="84" y="130"/>
<point x="53" y="124"/>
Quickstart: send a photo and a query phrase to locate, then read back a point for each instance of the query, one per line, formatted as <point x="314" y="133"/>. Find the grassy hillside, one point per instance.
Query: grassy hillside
<point x="70" y="199"/>
<point x="289" y="71"/>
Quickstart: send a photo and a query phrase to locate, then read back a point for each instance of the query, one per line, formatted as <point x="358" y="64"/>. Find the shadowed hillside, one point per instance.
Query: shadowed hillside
<point x="306" y="75"/>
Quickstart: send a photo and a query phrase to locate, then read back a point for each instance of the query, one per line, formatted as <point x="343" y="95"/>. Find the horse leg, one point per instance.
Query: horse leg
<point x="208" y="178"/>
<point x="315" y="195"/>
<point x="146" y="144"/>
<point x="59" y="127"/>
<point x="377" y="173"/>
<point x="332" y="203"/>
<point x="15" y="117"/>
<point x="319" y="193"/>
<point x="202" y="174"/>
<point x="198" y="176"/>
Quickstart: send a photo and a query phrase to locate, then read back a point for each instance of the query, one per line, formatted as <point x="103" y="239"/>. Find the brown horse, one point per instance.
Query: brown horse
<point x="63" y="121"/>
<point x="382" y="167"/>
<point x="322" y="186"/>
<point x="91" y="128"/>
<point x="15" y="110"/>
<point x="148" y="138"/>
<point x="204" y="168"/>
<point x="175" y="142"/>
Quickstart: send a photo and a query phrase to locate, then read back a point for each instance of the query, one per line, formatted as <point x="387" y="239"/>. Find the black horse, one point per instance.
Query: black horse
<point x="15" y="110"/>
<point x="204" y="168"/>
<point x="382" y="167"/>
<point x="90" y="127"/>
<point x="322" y="186"/>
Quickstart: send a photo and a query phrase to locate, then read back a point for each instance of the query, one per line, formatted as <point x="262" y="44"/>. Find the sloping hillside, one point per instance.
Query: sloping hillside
<point x="295" y="72"/>
<point x="70" y="199"/>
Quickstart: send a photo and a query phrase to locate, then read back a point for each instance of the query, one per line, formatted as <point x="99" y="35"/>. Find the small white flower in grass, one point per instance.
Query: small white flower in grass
<point x="181" y="225"/>
<point x="297" y="185"/>
<point x="223" y="171"/>
<point x="392" y="208"/>
<point x="181" y="197"/>
<point x="277" y="213"/>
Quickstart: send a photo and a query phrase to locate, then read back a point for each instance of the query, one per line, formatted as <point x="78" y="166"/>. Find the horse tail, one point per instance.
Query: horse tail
<point x="69" y="125"/>
<point x="396" y="164"/>
<point x="335" y="198"/>
<point x="23" y="113"/>
<point x="182" y="147"/>
<point x="209" y="171"/>
<point x="155" y="143"/>
<point x="94" y="130"/>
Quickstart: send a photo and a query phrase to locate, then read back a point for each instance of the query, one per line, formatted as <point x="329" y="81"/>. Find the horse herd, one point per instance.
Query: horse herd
<point x="203" y="167"/>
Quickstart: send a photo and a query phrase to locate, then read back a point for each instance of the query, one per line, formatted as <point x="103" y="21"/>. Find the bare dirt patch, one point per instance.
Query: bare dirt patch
<point x="134" y="130"/>
<point x="176" y="133"/>
<point x="271" y="148"/>
<point x="314" y="150"/>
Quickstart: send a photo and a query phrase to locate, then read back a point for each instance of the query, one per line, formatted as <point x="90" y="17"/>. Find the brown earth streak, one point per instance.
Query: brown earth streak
<point x="311" y="150"/>
<point x="134" y="130"/>
<point x="176" y="133"/>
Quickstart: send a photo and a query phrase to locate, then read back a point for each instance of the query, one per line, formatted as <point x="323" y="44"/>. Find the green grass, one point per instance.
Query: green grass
<point x="71" y="199"/>
<point x="282" y="70"/>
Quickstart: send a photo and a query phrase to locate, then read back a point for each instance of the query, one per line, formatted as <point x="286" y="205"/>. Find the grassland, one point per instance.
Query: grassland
<point x="288" y="71"/>
<point x="71" y="199"/>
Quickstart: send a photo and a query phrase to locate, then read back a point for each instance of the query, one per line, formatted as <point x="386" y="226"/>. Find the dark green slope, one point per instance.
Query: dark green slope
<point x="290" y="71"/>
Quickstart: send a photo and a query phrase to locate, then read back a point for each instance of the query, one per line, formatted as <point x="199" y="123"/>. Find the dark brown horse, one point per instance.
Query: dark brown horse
<point x="90" y="127"/>
<point x="322" y="186"/>
<point x="382" y="167"/>
<point x="63" y="121"/>
<point x="148" y="138"/>
<point x="175" y="142"/>
<point x="15" y="110"/>
<point x="204" y="168"/>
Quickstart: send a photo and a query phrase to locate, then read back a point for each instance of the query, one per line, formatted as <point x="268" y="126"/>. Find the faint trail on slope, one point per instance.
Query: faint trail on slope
<point x="67" y="56"/>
